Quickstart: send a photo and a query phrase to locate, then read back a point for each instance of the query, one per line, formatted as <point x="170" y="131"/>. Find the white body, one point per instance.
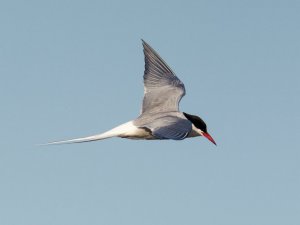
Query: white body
<point x="125" y="130"/>
<point x="160" y="117"/>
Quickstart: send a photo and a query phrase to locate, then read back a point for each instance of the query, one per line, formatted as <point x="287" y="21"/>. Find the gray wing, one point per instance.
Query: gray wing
<point x="162" y="89"/>
<point x="170" y="127"/>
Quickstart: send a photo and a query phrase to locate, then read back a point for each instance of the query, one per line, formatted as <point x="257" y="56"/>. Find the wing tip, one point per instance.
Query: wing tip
<point x="147" y="47"/>
<point x="143" y="41"/>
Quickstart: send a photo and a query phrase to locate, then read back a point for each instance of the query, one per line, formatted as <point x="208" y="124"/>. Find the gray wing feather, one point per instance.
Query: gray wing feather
<point x="163" y="90"/>
<point x="170" y="127"/>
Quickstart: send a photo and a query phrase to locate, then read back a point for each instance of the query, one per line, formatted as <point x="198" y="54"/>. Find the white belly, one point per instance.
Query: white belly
<point x="130" y="131"/>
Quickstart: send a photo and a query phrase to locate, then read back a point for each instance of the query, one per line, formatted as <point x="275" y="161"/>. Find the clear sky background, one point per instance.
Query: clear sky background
<point x="74" y="68"/>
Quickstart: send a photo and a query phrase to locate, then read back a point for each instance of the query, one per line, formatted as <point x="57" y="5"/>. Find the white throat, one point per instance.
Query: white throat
<point x="195" y="132"/>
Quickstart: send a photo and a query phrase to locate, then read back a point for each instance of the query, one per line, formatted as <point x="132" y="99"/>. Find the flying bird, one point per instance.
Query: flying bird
<point x="160" y="117"/>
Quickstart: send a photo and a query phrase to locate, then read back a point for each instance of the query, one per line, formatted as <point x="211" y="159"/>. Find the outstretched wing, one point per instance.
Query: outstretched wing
<point x="162" y="89"/>
<point x="170" y="127"/>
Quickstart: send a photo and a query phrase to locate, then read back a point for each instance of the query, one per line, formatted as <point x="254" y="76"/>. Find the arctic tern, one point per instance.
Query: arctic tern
<point x="160" y="117"/>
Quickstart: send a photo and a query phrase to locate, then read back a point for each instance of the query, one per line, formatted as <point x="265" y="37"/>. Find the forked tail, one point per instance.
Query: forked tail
<point x="115" y="132"/>
<point x="79" y="140"/>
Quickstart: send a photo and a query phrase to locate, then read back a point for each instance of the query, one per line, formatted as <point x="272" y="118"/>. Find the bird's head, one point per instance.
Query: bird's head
<point x="199" y="126"/>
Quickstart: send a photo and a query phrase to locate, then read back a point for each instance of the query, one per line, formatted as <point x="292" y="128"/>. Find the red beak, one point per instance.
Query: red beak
<point x="209" y="137"/>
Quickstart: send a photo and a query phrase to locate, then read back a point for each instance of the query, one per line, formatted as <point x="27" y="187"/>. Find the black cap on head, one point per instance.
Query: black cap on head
<point x="197" y="121"/>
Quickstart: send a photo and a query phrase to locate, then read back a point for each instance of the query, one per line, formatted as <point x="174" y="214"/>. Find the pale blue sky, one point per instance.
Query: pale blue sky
<point x="74" y="68"/>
